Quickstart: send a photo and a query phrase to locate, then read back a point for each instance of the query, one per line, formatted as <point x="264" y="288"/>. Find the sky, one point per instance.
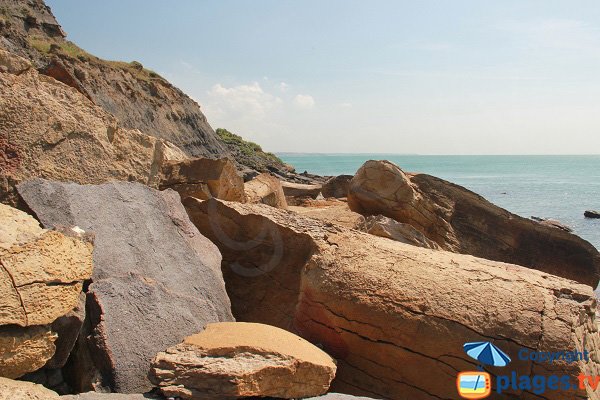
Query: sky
<point x="345" y="76"/>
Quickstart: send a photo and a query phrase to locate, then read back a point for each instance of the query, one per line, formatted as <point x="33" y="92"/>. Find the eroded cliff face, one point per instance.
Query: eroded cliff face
<point x="137" y="97"/>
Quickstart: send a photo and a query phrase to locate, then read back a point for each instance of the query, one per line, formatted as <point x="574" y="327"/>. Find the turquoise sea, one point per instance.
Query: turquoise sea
<point x="557" y="187"/>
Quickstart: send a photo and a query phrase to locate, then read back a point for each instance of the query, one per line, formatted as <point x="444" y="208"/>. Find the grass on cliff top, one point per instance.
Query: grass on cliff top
<point x="70" y="49"/>
<point x="246" y="147"/>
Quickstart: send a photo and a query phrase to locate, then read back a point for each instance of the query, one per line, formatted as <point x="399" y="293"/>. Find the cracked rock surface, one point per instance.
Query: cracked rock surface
<point x="41" y="277"/>
<point x="389" y="311"/>
<point x="461" y="221"/>
<point x="235" y="359"/>
<point x="18" y="390"/>
<point x="265" y="189"/>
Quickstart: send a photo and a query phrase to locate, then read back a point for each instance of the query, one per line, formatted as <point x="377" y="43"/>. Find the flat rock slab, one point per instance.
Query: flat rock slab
<point x="156" y="278"/>
<point x="237" y="359"/>
<point x="110" y="396"/>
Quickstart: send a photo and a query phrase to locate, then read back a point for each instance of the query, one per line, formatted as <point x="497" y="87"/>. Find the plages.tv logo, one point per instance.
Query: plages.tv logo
<point x="478" y="384"/>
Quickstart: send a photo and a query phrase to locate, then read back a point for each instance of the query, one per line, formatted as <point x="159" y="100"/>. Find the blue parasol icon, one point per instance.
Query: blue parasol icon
<point x="486" y="353"/>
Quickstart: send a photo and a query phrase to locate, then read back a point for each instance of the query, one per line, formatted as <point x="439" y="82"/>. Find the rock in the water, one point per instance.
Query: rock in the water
<point x="24" y="350"/>
<point x="379" y="225"/>
<point x="204" y="178"/>
<point x="389" y="311"/>
<point x="337" y="186"/>
<point x="265" y="189"/>
<point x="236" y="359"/>
<point x="18" y="390"/>
<point x="50" y="130"/>
<point x="592" y="214"/>
<point x="156" y="278"/>
<point x="461" y="221"/>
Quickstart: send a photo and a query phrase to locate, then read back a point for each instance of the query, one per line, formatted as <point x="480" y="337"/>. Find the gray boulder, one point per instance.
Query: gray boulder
<point x="156" y="278"/>
<point x="592" y="214"/>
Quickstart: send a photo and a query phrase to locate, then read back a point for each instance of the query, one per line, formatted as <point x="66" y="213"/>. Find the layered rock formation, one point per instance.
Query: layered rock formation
<point x="41" y="277"/>
<point x="203" y="178"/>
<point x="389" y="311"/>
<point x="50" y="130"/>
<point x="17" y="390"/>
<point x="234" y="359"/>
<point x="265" y="189"/>
<point x="156" y="278"/>
<point x="462" y="221"/>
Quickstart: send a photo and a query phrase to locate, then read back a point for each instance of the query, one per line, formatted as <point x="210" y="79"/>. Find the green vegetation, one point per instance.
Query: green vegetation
<point x="246" y="147"/>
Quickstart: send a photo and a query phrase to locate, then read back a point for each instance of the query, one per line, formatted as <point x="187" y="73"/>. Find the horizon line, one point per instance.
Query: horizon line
<point x="440" y="154"/>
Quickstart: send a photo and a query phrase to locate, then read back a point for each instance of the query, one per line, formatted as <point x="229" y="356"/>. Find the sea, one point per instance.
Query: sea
<point x="556" y="187"/>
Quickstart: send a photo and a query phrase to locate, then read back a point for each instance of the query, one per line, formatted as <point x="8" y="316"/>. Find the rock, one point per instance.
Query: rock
<point x="459" y="220"/>
<point x="24" y="350"/>
<point x="338" y="396"/>
<point x="592" y="214"/>
<point x="379" y="225"/>
<point x="17" y="390"/>
<point x="389" y="311"/>
<point x="292" y="190"/>
<point x="50" y="130"/>
<point x="109" y="396"/>
<point x="333" y="212"/>
<point x="13" y="64"/>
<point x="236" y="359"/>
<point x="265" y="189"/>
<point x="67" y="327"/>
<point x="337" y="186"/>
<point x="204" y="178"/>
<point x="156" y="278"/>
<point x="556" y="224"/>
<point x="42" y="271"/>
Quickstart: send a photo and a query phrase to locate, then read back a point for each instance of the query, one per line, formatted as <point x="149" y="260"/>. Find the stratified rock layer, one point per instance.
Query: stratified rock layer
<point x="156" y="278"/>
<point x="390" y="311"/>
<point x="236" y="359"/>
<point x="50" y="130"/>
<point x="461" y="221"/>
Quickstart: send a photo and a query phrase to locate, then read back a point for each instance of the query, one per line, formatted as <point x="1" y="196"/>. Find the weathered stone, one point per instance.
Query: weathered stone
<point x="389" y="311"/>
<point x="332" y="211"/>
<point x="50" y="130"/>
<point x="67" y="327"/>
<point x="337" y="186"/>
<point x="338" y="396"/>
<point x="18" y="390"/>
<point x="156" y="278"/>
<point x="379" y="225"/>
<point x="235" y="359"/>
<point x="461" y="221"/>
<point x="592" y="214"/>
<point x="41" y="272"/>
<point x="291" y="189"/>
<point x="204" y="178"/>
<point x="265" y="189"/>
<point x="13" y="64"/>
<point x="24" y="350"/>
<point x="110" y="396"/>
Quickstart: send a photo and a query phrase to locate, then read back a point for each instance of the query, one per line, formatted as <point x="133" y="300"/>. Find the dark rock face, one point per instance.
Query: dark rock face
<point x="67" y="327"/>
<point x="138" y="98"/>
<point x="461" y="221"/>
<point x="337" y="186"/>
<point x="592" y="214"/>
<point x="156" y="278"/>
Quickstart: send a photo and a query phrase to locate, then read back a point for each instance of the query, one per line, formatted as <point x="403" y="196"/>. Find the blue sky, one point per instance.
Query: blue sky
<point x="426" y="77"/>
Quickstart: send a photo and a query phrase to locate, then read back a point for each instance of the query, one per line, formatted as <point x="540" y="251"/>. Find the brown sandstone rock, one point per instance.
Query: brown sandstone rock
<point x="204" y="178"/>
<point x="390" y="311"/>
<point x="461" y="221"/>
<point x="13" y="64"/>
<point x="334" y="212"/>
<point x="265" y="189"/>
<point x="50" y="130"/>
<point x="291" y="190"/>
<point x="236" y="359"/>
<point x="379" y="225"/>
<point x="17" y="390"/>
<point x="24" y="350"/>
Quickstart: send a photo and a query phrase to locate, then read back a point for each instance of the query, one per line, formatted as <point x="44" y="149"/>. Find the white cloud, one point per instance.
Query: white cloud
<point x="284" y="87"/>
<point x="240" y="102"/>
<point x="345" y="105"/>
<point x="304" y="101"/>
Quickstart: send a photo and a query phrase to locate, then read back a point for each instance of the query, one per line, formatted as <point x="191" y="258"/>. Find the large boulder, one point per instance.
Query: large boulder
<point x="52" y="131"/>
<point x="389" y="311"/>
<point x="379" y="225"/>
<point x="41" y="278"/>
<point x="265" y="189"/>
<point x="204" y="178"/>
<point x="156" y="278"/>
<point x="301" y="190"/>
<point x="331" y="211"/>
<point x="461" y="221"/>
<point x="17" y="390"/>
<point x="234" y="359"/>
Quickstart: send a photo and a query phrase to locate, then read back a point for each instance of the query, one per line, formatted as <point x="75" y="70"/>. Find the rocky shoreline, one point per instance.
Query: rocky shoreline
<point x="143" y="255"/>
